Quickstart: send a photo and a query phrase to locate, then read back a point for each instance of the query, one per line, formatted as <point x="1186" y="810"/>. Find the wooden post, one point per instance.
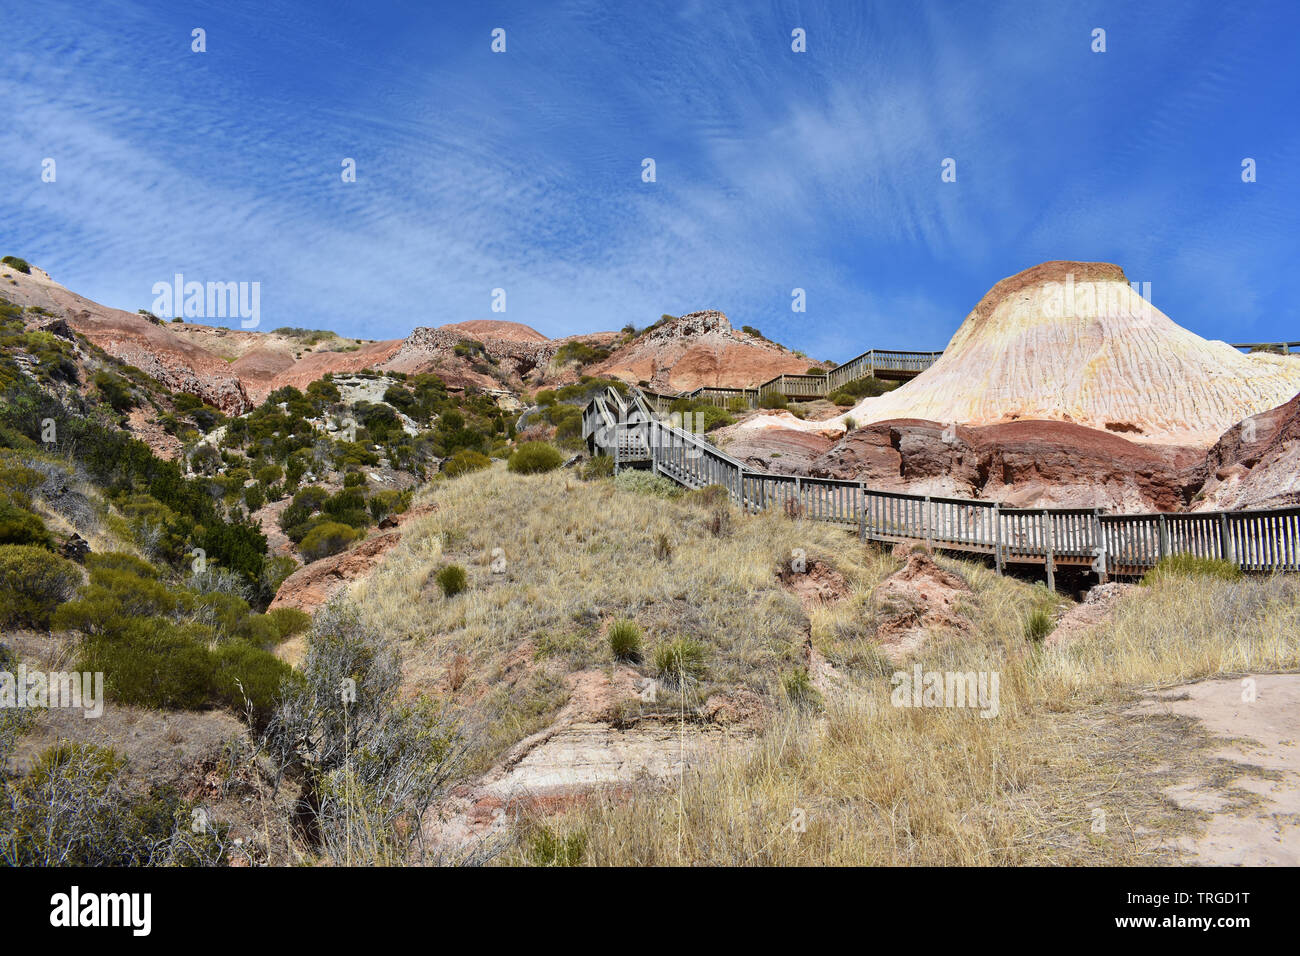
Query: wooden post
<point x="616" y="449"/>
<point x="929" y="522"/>
<point x="1226" y="550"/>
<point x="1098" y="537"/>
<point x="1163" y="539"/>
<point x="798" y="494"/>
<point x="1051" y="557"/>
<point x="862" y="511"/>
<point x="997" y="537"/>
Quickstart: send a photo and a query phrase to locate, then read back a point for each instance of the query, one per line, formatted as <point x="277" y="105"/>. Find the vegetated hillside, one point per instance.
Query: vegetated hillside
<point x="157" y="574"/>
<point x="137" y="340"/>
<point x="600" y="632"/>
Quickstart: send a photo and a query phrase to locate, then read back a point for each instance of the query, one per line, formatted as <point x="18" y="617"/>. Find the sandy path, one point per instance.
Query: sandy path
<point x="1261" y="735"/>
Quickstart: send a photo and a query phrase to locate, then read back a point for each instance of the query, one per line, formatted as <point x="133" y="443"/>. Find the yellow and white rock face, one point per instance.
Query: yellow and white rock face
<point x="1071" y="341"/>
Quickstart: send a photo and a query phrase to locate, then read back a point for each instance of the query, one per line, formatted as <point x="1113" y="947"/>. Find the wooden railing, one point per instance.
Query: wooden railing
<point x="881" y="363"/>
<point x="1256" y="541"/>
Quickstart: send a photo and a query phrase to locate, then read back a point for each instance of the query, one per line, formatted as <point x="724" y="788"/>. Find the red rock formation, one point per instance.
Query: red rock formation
<point x="178" y="364"/>
<point x="1256" y="464"/>
<point x="700" y="348"/>
<point x="1024" y="464"/>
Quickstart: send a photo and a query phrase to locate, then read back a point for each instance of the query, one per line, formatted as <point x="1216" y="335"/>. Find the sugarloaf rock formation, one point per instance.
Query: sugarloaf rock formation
<point x="1072" y="342"/>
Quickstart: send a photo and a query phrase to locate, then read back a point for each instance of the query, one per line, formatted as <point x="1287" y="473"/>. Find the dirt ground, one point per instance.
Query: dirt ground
<point x="1252" y="819"/>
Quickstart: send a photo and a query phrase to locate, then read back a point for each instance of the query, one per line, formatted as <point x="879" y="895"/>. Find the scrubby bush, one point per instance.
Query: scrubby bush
<point x="535" y="457"/>
<point x="74" y="808"/>
<point x="799" y="688"/>
<point x="115" y="391"/>
<point x="680" y="659"/>
<point x="20" y="526"/>
<point x="1039" y="623"/>
<point x="773" y="400"/>
<point x="463" y="462"/>
<point x="33" y="583"/>
<point x="602" y="466"/>
<point x="452" y="579"/>
<point x="289" y="621"/>
<point x="244" y="676"/>
<point x="325" y="539"/>
<point x="1184" y="566"/>
<point x="548" y="848"/>
<point x="645" y="483"/>
<point x="153" y="663"/>
<point x="367" y="765"/>
<point x="625" y="640"/>
<point x="20" y="265"/>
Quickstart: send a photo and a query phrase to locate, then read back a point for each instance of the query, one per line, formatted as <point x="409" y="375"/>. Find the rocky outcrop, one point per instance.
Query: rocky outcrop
<point x="1022" y="464"/>
<point x="916" y="602"/>
<point x="1256" y="464"/>
<point x="1072" y="342"/>
<point x="700" y="348"/>
<point x="136" y="340"/>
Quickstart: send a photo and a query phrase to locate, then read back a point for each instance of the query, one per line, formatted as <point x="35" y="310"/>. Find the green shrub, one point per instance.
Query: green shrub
<point x="269" y="474"/>
<point x="602" y="466"/>
<point x="465" y="461"/>
<point x="115" y="391"/>
<point x="254" y="497"/>
<point x="860" y="388"/>
<point x="121" y="561"/>
<point x="452" y="579"/>
<point x="21" y="483"/>
<point x="1185" y="566"/>
<point x="243" y="673"/>
<point x="20" y="265"/>
<point x="547" y="848"/>
<point x="20" y="526"/>
<point x="1039" y="623"/>
<point x="289" y="621"/>
<point x="773" y="400"/>
<point x="799" y="688"/>
<point x="682" y="658"/>
<point x="737" y="405"/>
<point x="153" y="663"/>
<point x="33" y="583"/>
<point x="327" y="538"/>
<point x="625" y="640"/>
<point x="644" y="483"/>
<point x="535" y="457"/>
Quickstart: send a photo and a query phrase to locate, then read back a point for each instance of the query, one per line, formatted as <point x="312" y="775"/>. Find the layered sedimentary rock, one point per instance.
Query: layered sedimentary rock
<point x="1072" y="342"/>
<point x="701" y="348"/>
<point x="1024" y="464"/>
<point x="1256" y="464"/>
<point x="136" y="340"/>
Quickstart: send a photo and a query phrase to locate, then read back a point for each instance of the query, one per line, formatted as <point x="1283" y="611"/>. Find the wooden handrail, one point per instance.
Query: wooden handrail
<point x="1256" y="540"/>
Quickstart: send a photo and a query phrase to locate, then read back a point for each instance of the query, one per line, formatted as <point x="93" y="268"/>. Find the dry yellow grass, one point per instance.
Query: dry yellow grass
<point x="860" y="782"/>
<point x="578" y="555"/>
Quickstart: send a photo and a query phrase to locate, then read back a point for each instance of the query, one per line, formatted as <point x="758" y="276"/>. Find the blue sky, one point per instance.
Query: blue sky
<point x="775" y="169"/>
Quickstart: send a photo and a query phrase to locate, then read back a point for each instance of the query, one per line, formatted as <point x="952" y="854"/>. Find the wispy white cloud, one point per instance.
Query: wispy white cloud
<point x="522" y="171"/>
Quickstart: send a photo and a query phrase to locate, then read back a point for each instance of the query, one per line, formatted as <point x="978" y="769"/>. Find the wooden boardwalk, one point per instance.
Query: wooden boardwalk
<point x="873" y="363"/>
<point x="1264" y="540"/>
